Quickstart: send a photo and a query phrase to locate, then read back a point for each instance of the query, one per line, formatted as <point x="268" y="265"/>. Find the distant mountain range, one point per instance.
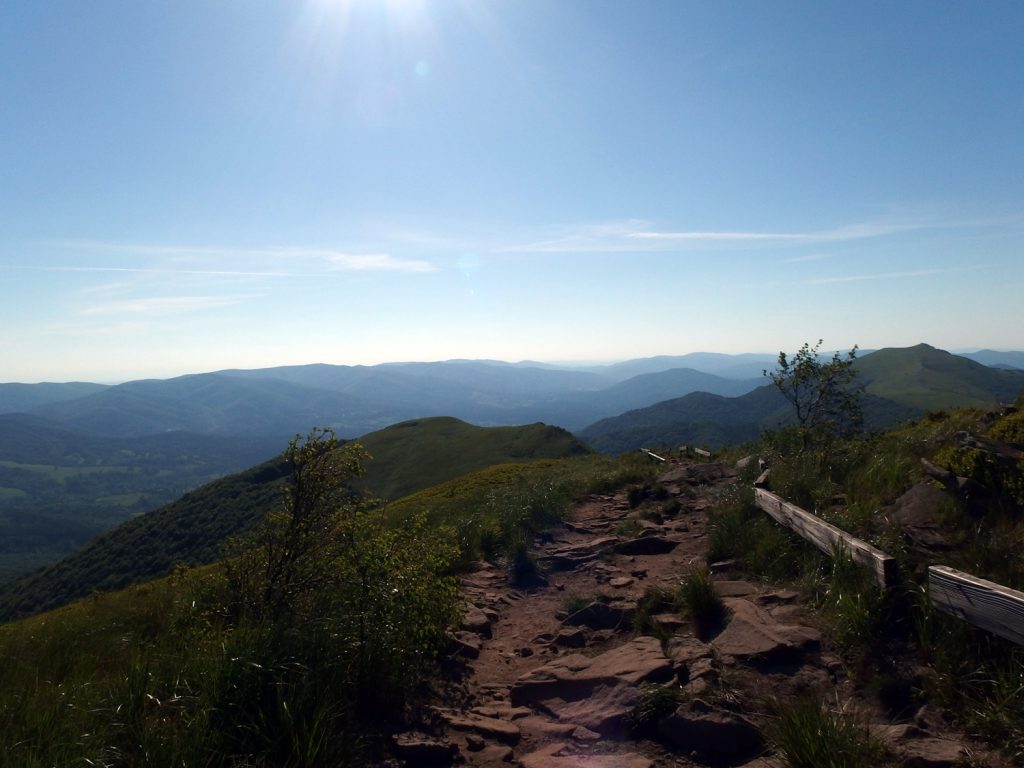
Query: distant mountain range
<point x="78" y="458"/>
<point x="900" y="384"/>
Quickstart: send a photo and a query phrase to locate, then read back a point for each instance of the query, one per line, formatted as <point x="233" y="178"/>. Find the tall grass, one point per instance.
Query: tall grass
<point x="882" y="635"/>
<point x="808" y="734"/>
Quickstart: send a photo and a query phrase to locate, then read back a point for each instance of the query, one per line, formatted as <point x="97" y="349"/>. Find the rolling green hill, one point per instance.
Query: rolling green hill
<point x="59" y="489"/>
<point x="929" y="379"/>
<point x="189" y="530"/>
<point x="414" y="455"/>
<point x="900" y="384"/>
<point x="700" y="419"/>
<point x="408" y="457"/>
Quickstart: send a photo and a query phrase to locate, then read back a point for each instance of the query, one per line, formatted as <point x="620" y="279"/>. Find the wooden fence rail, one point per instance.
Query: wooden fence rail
<point x="827" y="537"/>
<point x="993" y="607"/>
<point x="985" y="604"/>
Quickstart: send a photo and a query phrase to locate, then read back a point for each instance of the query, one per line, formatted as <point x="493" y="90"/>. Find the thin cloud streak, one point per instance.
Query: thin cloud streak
<point x="160" y="271"/>
<point x="636" y="235"/>
<point x="334" y="260"/>
<point x="163" y="305"/>
<point x="885" y="276"/>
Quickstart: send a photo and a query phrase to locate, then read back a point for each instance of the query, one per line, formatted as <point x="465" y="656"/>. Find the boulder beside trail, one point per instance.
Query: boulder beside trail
<point x="754" y="636"/>
<point x="712" y="734"/>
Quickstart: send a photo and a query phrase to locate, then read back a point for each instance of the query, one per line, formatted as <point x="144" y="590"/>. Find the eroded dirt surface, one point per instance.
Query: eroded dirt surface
<point x="542" y="688"/>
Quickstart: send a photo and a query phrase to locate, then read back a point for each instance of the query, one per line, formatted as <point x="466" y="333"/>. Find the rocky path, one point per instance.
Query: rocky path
<point x="552" y="673"/>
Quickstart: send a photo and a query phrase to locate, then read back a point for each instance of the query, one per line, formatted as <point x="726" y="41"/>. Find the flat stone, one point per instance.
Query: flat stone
<point x="727" y="588"/>
<point x="669" y="621"/>
<point x="476" y="621"/>
<point x="754" y="636"/>
<point x="465" y="644"/>
<point x="488" y="727"/>
<point x="646" y="545"/>
<point x="715" y="735"/>
<point x="600" y="615"/>
<point x="570" y="638"/>
<point x="418" y="749"/>
<point x="576" y="676"/>
<point x="778" y="597"/>
<point x="620" y="582"/>
<point x="605" y="710"/>
<point x="561" y="755"/>
<point x="535" y="725"/>
<point x="931" y="753"/>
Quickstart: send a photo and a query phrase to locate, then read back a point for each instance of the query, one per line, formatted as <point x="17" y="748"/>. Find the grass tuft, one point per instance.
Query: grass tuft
<point x="808" y="734"/>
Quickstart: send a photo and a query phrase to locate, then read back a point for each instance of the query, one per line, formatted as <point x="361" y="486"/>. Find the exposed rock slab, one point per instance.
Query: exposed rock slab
<point x="755" y="636"/>
<point x="600" y="615"/>
<point x="489" y="727"/>
<point x="562" y="755"/>
<point x="418" y="749"/>
<point x="646" y="545"/>
<point x="715" y="735"/>
<point x="576" y="676"/>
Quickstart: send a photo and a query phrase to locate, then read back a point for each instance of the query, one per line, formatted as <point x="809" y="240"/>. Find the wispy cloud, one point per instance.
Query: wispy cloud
<point x="276" y="261"/>
<point x="887" y="275"/>
<point x="378" y="262"/>
<point x="162" y="305"/>
<point x="638" y="235"/>
<point x="155" y="271"/>
<point x="806" y="258"/>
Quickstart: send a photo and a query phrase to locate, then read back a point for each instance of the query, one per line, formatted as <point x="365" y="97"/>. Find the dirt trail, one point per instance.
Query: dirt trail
<point x="545" y="689"/>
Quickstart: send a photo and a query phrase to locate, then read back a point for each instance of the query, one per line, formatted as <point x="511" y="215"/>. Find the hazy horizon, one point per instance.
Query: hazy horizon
<point x="567" y="364"/>
<point x="197" y="186"/>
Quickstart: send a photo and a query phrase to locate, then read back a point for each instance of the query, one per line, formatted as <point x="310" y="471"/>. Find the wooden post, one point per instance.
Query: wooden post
<point x="827" y="537"/>
<point x="991" y="606"/>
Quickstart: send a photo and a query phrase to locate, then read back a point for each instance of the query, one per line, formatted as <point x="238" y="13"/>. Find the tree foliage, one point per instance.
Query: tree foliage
<point x="825" y="396"/>
<point x="324" y="571"/>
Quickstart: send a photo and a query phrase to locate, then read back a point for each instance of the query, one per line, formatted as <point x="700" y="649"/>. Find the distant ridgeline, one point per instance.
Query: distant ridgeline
<point x="86" y="457"/>
<point x="900" y="384"/>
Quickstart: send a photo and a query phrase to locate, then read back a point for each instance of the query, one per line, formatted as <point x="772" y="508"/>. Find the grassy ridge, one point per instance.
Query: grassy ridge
<point x="414" y="455"/>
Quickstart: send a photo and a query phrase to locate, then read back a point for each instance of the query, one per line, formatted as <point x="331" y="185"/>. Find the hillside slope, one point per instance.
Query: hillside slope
<point x="408" y="457"/>
<point x="189" y="530"/>
<point x="414" y="455"/>
<point x="927" y="379"/>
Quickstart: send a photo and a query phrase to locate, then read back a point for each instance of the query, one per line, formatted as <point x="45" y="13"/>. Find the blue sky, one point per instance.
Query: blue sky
<point x="205" y="184"/>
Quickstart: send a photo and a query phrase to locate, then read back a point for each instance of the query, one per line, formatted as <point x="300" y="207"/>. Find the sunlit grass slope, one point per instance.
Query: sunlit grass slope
<point x="408" y="457"/>
<point x="927" y="378"/>
<point x="167" y="674"/>
<point x="414" y="455"/>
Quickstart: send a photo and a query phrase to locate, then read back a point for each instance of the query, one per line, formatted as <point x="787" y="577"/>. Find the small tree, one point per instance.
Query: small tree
<point x="339" y="590"/>
<point x="825" y="396"/>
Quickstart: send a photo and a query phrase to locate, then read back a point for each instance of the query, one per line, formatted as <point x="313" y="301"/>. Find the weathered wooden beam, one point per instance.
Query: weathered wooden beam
<point x="827" y="537"/>
<point x="991" y="606"/>
<point x="652" y="454"/>
<point x="702" y="452"/>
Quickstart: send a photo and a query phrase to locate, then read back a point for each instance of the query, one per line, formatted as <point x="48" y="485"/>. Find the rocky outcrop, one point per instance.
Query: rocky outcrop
<point x="711" y="734"/>
<point x="595" y="692"/>
<point x="753" y="636"/>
